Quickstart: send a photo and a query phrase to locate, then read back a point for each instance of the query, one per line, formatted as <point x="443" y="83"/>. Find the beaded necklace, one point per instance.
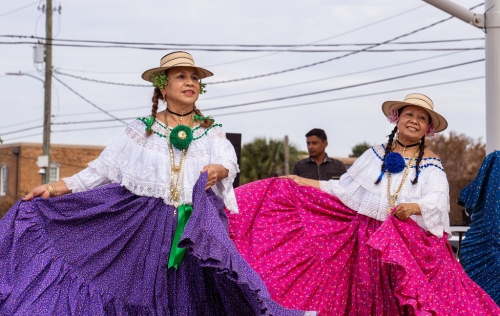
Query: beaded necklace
<point x="392" y="198"/>
<point x="175" y="188"/>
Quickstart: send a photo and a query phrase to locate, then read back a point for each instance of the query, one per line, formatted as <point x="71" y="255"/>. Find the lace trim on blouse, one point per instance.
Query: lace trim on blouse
<point x="357" y="190"/>
<point x="141" y="163"/>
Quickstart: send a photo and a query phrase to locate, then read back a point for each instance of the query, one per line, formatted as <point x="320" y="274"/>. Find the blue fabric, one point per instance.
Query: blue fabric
<point x="481" y="247"/>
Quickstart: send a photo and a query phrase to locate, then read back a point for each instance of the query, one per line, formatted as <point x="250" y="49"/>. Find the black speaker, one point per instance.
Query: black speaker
<point x="235" y="140"/>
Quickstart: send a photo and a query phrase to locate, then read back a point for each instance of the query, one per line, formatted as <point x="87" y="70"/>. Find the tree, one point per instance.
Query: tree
<point x="359" y="149"/>
<point x="462" y="157"/>
<point x="262" y="159"/>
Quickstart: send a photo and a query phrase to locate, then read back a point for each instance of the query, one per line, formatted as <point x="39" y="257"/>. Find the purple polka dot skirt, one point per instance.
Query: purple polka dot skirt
<point x="105" y="252"/>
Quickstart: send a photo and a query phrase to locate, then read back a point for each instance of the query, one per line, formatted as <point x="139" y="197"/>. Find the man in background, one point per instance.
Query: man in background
<point x="318" y="165"/>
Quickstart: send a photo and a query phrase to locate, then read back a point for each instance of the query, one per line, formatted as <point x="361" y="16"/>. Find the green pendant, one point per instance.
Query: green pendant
<point x="181" y="136"/>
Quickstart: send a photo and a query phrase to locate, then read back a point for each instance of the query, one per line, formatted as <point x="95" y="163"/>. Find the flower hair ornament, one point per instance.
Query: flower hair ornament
<point x="430" y="130"/>
<point x="393" y="117"/>
<point x="202" y="87"/>
<point x="160" y="80"/>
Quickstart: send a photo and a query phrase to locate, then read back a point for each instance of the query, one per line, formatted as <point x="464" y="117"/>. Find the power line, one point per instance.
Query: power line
<point x="272" y="88"/>
<point x="86" y="129"/>
<point x="74" y="114"/>
<point x="99" y="72"/>
<point x="86" y="100"/>
<point x="339" y="57"/>
<point x="295" y="96"/>
<point x="347" y="87"/>
<point x="20" y="137"/>
<point x="87" y="113"/>
<point x="331" y="77"/>
<point x="253" y="50"/>
<point x="17" y="124"/>
<point x="18" y="9"/>
<point x="325" y="39"/>
<point x="351" y="97"/>
<point x="256" y="102"/>
<point x="103" y="81"/>
<point x="22" y="130"/>
<point x="182" y="45"/>
<point x="94" y="121"/>
<point x="300" y="104"/>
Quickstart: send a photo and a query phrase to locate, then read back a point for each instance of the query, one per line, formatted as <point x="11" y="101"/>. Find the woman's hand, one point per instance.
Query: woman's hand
<point x="302" y="181"/>
<point x="215" y="173"/>
<point x="40" y="190"/>
<point x="57" y="188"/>
<point x="405" y="210"/>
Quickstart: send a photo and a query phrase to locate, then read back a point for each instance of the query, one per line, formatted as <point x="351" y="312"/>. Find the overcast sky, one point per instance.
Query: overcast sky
<point x="347" y="122"/>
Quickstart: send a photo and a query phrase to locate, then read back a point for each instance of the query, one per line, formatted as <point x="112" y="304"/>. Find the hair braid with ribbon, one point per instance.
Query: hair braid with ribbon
<point x="207" y="122"/>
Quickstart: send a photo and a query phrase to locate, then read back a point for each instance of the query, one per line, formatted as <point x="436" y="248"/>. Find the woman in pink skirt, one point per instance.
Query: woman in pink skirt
<point x="373" y="242"/>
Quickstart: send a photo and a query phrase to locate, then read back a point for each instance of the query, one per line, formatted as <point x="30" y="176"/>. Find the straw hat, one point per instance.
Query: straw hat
<point x="175" y="59"/>
<point x="440" y="123"/>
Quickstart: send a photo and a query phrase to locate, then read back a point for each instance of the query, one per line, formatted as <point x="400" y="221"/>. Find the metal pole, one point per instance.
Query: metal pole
<point x="491" y="22"/>
<point x="48" y="88"/>
<point x="454" y="9"/>
<point x="492" y="75"/>
<point x="287" y="157"/>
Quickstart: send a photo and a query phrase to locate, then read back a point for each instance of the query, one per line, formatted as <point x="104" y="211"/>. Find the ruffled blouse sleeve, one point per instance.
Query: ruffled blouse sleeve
<point x="434" y="203"/>
<point x="222" y="153"/>
<point x="85" y="180"/>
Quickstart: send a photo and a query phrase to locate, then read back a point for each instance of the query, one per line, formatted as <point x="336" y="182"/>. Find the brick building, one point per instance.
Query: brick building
<point x="19" y="171"/>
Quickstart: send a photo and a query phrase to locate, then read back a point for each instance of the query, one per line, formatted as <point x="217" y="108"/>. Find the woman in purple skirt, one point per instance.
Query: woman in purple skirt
<point x="144" y="232"/>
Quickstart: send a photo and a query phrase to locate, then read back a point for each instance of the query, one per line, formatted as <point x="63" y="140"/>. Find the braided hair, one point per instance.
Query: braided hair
<point x="388" y="150"/>
<point x="421" y="149"/>
<point x="154" y="109"/>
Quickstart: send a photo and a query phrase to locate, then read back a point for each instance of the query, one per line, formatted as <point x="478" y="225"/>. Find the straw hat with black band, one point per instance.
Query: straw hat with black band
<point x="175" y="59"/>
<point x="420" y="100"/>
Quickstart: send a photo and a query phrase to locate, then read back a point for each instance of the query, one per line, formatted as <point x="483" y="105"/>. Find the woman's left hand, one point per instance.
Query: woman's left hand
<point x="215" y="173"/>
<point x="405" y="210"/>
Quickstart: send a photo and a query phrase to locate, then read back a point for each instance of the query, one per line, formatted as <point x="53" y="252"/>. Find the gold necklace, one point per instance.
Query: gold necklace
<point x="175" y="188"/>
<point x="392" y="198"/>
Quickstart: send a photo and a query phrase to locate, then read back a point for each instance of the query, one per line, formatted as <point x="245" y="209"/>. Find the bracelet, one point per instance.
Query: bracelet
<point x="51" y="187"/>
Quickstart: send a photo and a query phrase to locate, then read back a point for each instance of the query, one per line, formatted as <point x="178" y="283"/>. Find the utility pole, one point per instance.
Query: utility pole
<point x="48" y="89"/>
<point x="490" y="22"/>
<point x="287" y="157"/>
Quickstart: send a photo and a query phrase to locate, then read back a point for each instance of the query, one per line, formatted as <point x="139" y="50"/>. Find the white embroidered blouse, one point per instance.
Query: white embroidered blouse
<point x="357" y="190"/>
<point x="142" y="164"/>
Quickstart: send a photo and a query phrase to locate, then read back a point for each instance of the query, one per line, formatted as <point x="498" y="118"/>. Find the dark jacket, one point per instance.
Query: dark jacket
<point x="329" y="169"/>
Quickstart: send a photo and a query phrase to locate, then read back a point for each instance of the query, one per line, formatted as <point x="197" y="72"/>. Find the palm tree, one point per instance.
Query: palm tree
<point x="262" y="159"/>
